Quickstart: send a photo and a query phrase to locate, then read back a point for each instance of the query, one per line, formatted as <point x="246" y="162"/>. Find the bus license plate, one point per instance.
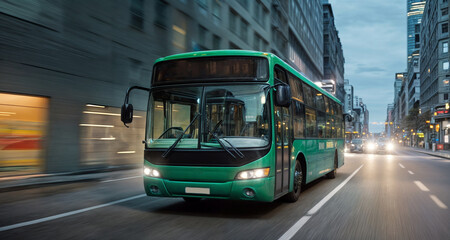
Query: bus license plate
<point x="196" y="190"/>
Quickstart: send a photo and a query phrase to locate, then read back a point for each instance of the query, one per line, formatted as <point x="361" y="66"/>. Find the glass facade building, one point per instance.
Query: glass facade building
<point x="414" y="12"/>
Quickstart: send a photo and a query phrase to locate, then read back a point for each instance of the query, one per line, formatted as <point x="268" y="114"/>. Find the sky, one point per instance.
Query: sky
<point x="373" y="37"/>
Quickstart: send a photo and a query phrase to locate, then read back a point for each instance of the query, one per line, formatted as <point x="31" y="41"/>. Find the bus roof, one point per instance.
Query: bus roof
<point x="273" y="59"/>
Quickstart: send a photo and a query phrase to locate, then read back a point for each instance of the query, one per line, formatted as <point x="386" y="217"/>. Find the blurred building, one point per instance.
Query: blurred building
<point x="304" y="25"/>
<point x="434" y="68"/>
<point x="333" y="56"/>
<point x="400" y="96"/>
<point x="65" y="67"/>
<point x="413" y="83"/>
<point x="389" y="127"/>
<point x="414" y="15"/>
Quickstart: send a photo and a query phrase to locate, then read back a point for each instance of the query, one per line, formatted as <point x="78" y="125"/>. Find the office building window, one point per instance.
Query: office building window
<point x="137" y="14"/>
<point x="444" y="11"/>
<point x="445" y="96"/>
<point x="160" y="16"/>
<point x="417" y="28"/>
<point x="233" y="21"/>
<point x="445" y="47"/>
<point x="216" y="42"/>
<point x="445" y="65"/>
<point x="202" y="32"/>
<point x="244" y="27"/>
<point x="216" y="11"/>
<point x="445" y="28"/>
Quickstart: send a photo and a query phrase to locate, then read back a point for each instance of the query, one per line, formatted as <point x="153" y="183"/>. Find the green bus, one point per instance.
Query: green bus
<point x="236" y="124"/>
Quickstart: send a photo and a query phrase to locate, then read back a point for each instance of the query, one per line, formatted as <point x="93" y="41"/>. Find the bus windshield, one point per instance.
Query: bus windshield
<point x="237" y="114"/>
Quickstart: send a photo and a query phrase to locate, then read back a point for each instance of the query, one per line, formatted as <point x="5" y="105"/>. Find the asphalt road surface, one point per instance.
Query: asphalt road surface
<point x="405" y="195"/>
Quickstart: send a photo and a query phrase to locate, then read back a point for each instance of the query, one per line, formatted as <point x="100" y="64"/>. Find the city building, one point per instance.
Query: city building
<point x="434" y="68"/>
<point x="389" y="126"/>
<point x="66" y="67"/>
<point x="414" y="16"/>
<point x="333" y="56"/>
<point x="399" y="98"/>
<point x="413" y="84"/>
<point x="304" y="25"/>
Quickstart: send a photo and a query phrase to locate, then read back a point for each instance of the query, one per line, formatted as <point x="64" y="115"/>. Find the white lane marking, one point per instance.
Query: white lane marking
<point x="438" y="202"/>
<point x="410" y="172"/>
<point x="299" y="224"/>
<point x="421" y="186"/>
<point x="46" y="219"/>
<point x="294" y="229"/>
<point x="119" y="179"/>
<point x="401" y="165"/>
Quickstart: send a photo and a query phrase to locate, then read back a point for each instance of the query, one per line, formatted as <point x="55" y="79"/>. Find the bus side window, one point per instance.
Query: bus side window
<point x="311" y="127"/>
<point x="298" y="119"/>
<point x="280" y="74"/>
<point x="296" y="88"/>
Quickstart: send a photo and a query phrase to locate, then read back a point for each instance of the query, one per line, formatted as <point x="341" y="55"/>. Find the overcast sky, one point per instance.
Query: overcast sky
<point x="373" y="35"/>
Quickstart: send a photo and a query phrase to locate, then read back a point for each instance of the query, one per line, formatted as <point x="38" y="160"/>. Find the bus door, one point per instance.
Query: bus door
<point x="283" y="142"/>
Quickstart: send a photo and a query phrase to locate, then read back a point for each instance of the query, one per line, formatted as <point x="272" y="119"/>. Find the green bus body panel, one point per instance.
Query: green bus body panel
<point x="319" y="153"/>
<point x="220" y="180"/>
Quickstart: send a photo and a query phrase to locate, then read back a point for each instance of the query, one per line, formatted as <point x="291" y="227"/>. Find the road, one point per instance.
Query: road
<point x="405" y="195"/>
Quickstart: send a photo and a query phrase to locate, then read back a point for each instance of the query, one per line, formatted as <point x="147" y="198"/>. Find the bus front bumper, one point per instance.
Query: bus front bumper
<point x="254" y="189"/>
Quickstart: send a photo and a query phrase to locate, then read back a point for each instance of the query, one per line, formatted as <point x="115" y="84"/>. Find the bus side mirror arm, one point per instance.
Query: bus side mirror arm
<point x="126" y="112"/>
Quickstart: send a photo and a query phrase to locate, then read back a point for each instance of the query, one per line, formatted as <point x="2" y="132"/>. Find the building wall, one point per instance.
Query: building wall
<point x="333" y="54"/>
<point x="434" y="61"/>
<point x="305" y="36"/>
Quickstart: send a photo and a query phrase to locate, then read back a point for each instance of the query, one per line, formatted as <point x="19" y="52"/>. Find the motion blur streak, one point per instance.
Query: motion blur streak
<point x="18" y="225"/>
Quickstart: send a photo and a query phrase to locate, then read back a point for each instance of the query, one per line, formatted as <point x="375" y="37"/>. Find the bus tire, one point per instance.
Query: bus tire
<point x="298" y="183"/>
<point x="332" y="174"/>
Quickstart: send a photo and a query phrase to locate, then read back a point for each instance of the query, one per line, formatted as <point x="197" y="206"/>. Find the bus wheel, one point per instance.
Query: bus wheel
<point x="332" y="174"/>
<point x="191" y="199"/>
<point x="298" y="183"/>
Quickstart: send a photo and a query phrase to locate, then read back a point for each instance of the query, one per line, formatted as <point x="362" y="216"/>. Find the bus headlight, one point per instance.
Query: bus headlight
<point x="252" y="174"/>
<point x="151" y="172"/>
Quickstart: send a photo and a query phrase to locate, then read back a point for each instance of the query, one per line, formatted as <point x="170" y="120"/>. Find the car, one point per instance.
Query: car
<point x="357" y="145"/>
<point x="385" y="145"/>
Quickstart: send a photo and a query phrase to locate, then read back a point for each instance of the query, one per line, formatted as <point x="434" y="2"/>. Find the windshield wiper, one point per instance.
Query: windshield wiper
<point x="166" y="153"/>
<point x="220" y="139"/>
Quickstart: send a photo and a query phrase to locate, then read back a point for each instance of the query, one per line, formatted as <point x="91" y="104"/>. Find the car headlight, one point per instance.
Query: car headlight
<point x="151" y="172"/>
<point x="371" y="146"/>
<point x="390" y="146"/>
<point x="252" y="174"/>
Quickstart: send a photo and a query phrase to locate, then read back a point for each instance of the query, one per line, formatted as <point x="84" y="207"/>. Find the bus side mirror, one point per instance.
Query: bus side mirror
<point x="283" y="95"/>
<point x="348" y="118"/>
<point x="126" y="113"/>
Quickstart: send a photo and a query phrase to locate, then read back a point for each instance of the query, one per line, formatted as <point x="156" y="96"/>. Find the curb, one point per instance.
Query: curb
<point x="89" y="175"/>
<point x="436" y="154"/>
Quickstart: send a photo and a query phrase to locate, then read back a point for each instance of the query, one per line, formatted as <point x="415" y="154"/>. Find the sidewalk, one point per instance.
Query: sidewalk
<point x="15" y="183"/>
<point x="437" y="153"/>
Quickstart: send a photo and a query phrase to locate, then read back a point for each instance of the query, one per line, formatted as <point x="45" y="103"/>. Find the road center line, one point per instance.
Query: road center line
<point x="438" y="202"/>
<point x="401" y="165"/>
<point x="421" y="186"/>
<point x="410" y="172"/>
<point x="301" y="222"/>
<point x="46" y="219"/>
<point x="119" y="179"/>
